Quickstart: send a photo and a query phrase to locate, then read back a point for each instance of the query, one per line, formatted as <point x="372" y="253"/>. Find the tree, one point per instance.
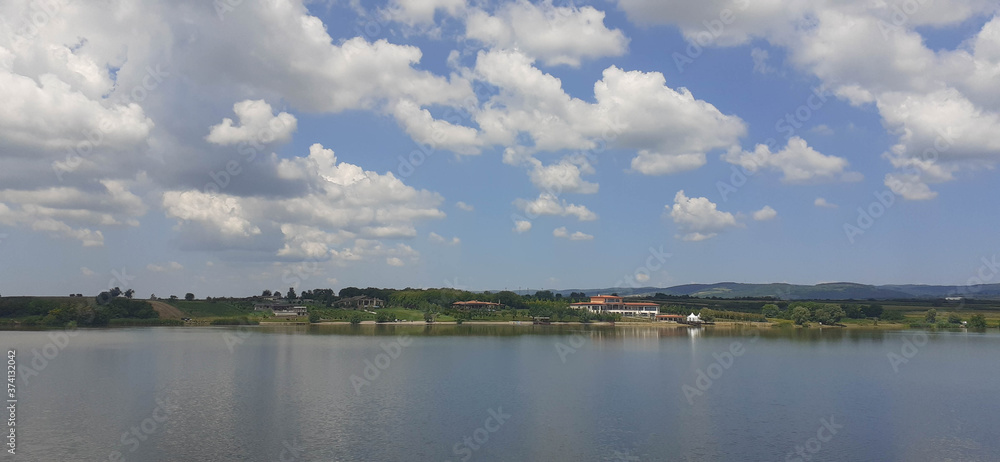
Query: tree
<point x="893" y="315"/>
<point x="800" y="315"/>
<point x="129" y="293"/>
<point x="355" y="318"/>
<point x="115" y="292"/>
<point x="872" y="311"/>
<point x="977" y="321"/>
<point x="189" y="296"/>
<point x="277" y="294"/>
<point x="930" y="316"/>
<point x="770" y="310"/>
<point x="265" y="293"/>
<point x="313" y="317"/>
<point x="291" y="293"/>
<point x="954" y="318"/>
<point x="383" y="316"/>
<point x="428" y="317"/>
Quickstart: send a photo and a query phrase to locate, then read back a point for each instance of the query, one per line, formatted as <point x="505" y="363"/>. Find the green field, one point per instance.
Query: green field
<point x="210" y="309"/>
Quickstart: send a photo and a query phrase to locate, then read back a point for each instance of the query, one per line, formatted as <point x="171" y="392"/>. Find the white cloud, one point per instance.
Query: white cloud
<point x="564" y="176"/>
<point x="337" y="202"/>
<point x="171" y="266"/>
<point x="576" y="236"/>
<point x="760" y="57"/>
<point x="421" y="12"/>
<point x="435" y="237"/>
<point x="549" y="204"/>
<point x="69" y="212"/>
<point x="764" y="214"/>
<point x="439" y="134"/>
<point x="463" y="206"/>
<point x="821" y="129"/>
<point x="797" y="161"/>
<point x="873" y="52"/>
<point x="86" y="271"/>
<point x="554" y="34"/>
<point x="394" y="261"/>
<point x="634" y="110"/>
<point x="641" y="277"/>
<point x="821" y="202"/>
<point x="697" y="217"/>
<point x="522" y="226"/>
<point x="257" y="124"/>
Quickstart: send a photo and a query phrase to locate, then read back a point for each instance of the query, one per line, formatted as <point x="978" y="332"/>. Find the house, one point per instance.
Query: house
<point x="615" y="304"/>
<point x="360" y="302"/>
<point x="281" y="309"/>
<point x="694" y="318"/>
<point x="476" y="305"/>
<point x="669" y="317"/>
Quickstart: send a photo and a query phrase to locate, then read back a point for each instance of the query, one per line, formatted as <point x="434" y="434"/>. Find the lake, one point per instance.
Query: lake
<point x="505" y="393"/>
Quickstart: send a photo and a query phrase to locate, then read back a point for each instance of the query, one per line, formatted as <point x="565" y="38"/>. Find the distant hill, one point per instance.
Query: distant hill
<point x="827" y="291"/>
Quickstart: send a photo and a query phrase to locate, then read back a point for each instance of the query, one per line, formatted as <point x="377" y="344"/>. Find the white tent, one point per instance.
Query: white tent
<point x="694" y="318"/>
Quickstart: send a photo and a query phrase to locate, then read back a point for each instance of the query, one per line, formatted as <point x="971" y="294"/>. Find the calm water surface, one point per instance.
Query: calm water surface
<point x="562" y="394"/>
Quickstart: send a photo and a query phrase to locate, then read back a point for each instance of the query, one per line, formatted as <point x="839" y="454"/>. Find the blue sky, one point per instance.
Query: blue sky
<point x="724" y="167"/>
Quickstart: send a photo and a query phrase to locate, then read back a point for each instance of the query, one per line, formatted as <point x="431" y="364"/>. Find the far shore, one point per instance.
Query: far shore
<point x="720" y="324"/>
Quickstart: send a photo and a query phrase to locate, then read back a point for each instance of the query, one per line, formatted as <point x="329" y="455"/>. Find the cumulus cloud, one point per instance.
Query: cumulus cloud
<point x="872" y="53"/>
<point x="697" y="218"/>
<point x="821" y="202"/>
<point x="341" y="202"/>
<point x="86" y="271"/>
<point x="564" y="176"/>
<point x="257" y="124"/>
<point x="760" y="57"/>
<point x="522" y="226"/>
<point x="764" y="214"/>
<point x="463" y="206"/>
<point x="549" y="204"/>
<point x="554" y="34"/>
<point x="435" y="237"/>
<point x="394" y="261"/>
<point x="562" y="233"/>
<point x="797" y="161"/>
<point x="421" y="12"/>
<point x="671" y="130"/>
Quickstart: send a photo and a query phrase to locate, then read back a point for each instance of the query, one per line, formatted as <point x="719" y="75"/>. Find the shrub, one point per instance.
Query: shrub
<point x="977" y="321"/>
<point x="314" y="317"/>
<point x="892" y="315"/>
<point x="355" y="318"/>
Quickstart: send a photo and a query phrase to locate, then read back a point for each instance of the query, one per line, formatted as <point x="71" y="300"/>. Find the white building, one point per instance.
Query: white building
<point x="693" y="318"/>
<point x="615" y="304"/>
